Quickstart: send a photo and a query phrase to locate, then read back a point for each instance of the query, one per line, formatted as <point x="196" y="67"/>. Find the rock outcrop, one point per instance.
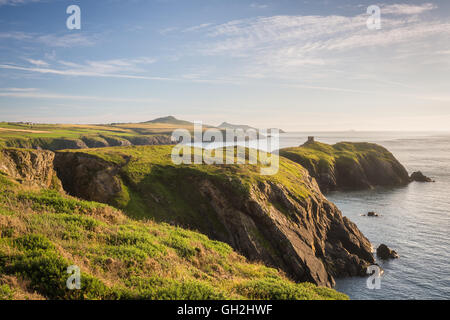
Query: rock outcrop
<point x="88" y="177"/>
<point x="372" y="214"/>
<point x="30" y="167"/>
<point x="150" y="140"/>
<point x="418" y="176"/>
<point x="310" y="240"/>
<point x="97" y="142"/>
<point x="57" y="144"/>
<point x="303" y="234"/>
<point x="298" y="231"/>
<point x="348" y="166"/>
<point x="385" y="253"/>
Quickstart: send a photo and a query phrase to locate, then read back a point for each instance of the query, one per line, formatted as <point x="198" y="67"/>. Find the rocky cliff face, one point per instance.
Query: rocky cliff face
<point x="31" y="167"/>
<point x="56" y="144"/>
<point x="309" y="239"/>
<point x="88" y="177"/>
<point x="301" y="233"/>
<point x="349" y="166"/>
<point x="306" y="236"/>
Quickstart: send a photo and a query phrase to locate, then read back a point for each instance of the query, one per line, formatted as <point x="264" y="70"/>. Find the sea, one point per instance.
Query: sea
<point x="414" y="220"/>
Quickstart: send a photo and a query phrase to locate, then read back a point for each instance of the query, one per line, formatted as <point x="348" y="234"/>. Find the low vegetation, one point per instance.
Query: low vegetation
<point x="321" y="156"/>
<point x="58" y="137"/>
<point x="42" y="232"/>
<point x="154" y="187"/>
<point x="349" y="166"/>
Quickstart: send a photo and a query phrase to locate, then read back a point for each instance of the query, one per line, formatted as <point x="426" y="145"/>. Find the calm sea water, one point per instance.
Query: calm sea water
<point x="415" y="219"/>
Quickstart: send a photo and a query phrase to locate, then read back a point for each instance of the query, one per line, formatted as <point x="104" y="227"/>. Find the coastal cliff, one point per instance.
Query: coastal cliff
<point x="43" y="231"/>
<point x="283" y="220"/>
<point x="85" y="142"/>
<point x="348" y="166"/>
<point x="30" y="167"/>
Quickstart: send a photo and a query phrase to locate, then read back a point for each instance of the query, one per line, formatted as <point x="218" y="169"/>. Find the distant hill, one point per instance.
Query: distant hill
<point x="170" y="120"/>
<point x="227" y="125"/>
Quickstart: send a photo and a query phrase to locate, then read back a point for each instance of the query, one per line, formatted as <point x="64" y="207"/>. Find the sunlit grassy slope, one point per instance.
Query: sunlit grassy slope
<point x="42" y="232"/>
<point x="153" y="186"/>
<point x="15" y="130"/>
<point x="322" y="157"/>
<point x="43" y="135"/>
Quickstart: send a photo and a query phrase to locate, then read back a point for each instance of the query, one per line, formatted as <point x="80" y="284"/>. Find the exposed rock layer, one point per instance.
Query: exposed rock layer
<point x="31" y="167"/>
<point x="308" y="237"/>
<point x="349" y="166"/>
<point x="55" y="144"/>
<point x="87" y="177"/>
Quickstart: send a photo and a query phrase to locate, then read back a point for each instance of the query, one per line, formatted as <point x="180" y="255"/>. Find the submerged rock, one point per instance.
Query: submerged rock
<point x="385" y="253"/>
<point x="420" y="177"/>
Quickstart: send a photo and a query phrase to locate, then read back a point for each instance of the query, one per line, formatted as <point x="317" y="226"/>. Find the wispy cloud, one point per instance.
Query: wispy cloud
<point x="15" y="35"/>
<point x="407" y="9"/>
<point x="39" y="63"/>
<point x="258" y="5"/>
<point x="16" y="2"/>
<point x="280" y="44"/>
<point x="76" y="72"/>
<point x="33" y="93"/>
<point x="197" y="27"/>
<point x="109" y="66"/>
<point x="53" y="40"/>
<point x="17" y="89"/>
<point x="67" y="40"/>
<point x="133" y="68"/>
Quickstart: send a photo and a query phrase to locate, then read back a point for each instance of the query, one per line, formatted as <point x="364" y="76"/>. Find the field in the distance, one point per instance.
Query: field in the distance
<point x="80" y="136"/>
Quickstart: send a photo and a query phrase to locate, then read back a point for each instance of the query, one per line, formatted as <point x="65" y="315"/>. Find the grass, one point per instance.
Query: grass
<point x="57" y="137"/>
<point x="154" y="187"/>
<point x="43" y="232"/>
<point x="321" y="157"/>
<point x="71" y="136"/>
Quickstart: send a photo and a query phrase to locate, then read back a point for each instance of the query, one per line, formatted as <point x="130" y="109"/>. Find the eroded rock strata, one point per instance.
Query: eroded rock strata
<point x="349" y="166"/>
<point x="303" y="234"/>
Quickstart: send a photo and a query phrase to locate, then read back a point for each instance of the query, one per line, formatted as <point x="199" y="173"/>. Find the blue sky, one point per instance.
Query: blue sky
<point x="294" y="64"/>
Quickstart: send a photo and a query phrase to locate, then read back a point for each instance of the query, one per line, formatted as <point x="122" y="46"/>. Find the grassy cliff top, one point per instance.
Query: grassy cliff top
<point x="10" y="132"/>
<point x="42" y="232"/>
<point x="142" y="162"/>
<point x="327" y="154"/>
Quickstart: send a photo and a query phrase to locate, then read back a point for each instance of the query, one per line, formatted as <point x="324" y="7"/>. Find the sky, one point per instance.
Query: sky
<point x="298" y="65"/>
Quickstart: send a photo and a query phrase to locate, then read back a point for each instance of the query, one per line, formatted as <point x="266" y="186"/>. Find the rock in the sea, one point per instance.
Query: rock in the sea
<point x="372" y="214"/>
<point x="385" y="253"/>
<point x="420" y="177"/>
